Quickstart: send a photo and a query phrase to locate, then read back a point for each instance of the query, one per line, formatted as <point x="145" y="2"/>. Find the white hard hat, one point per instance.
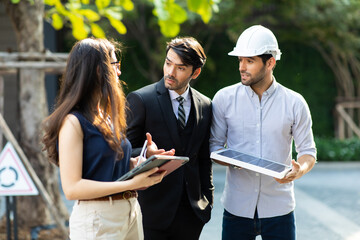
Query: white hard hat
<point x="255" y="41"/>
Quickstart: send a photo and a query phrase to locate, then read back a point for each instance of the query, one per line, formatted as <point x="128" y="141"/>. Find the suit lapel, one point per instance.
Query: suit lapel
<point x="198" y="115"/>
<point x="168" y="113"/>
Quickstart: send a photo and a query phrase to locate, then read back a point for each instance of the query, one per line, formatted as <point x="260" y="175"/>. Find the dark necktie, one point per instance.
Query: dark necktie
<point x="181" y="112"/>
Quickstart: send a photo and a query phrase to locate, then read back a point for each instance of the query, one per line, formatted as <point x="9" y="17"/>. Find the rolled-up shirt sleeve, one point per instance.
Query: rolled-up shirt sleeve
<point x="302" y="130"/>
<point x="219" y="126"/>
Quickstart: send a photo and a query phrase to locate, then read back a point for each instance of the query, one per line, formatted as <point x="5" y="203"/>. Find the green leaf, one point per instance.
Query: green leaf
<point x="194" y="5"/>
<point x="215" y="7"/>
<point x="101" y="4"/>
<point x="201" y="7"/>
<point x="73" y="6"/>
<point x="118" y="25"/>
<point x="169" y="28"/>
<point x="205" y="13"/>
<point x="49" y="2"/>
<point x="78" y="27"/>
<point x="113" y="12"/>
<point x="60" y="8"/>
<point x="177" y="13"/>
<point x="90" y="14"/>
<point x="161" y="13"/>
<point x="15" y="1"/>
<point x="57" y="22"/>
<point x="86" y="2"/>
<point x="128" y="5"/>
<point x="97" y="31"/>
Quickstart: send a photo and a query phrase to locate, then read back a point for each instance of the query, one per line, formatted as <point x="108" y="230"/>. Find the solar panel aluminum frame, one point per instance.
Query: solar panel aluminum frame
<point x="217" y="155"/>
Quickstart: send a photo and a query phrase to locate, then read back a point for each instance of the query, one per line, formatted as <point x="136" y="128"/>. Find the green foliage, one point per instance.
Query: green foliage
<point x="220" y="70"/>
<point x="301" y="67"/>
<point x="320" y="31"/>
<point x="303" y="70"/>
<point x="83" y="16"/>
<point x="298" y="24"/>
<point x="335" y="23"/>
<point x="170" y="15"/>
<point x="330" y="149"/>
<point x="204" y="8"/>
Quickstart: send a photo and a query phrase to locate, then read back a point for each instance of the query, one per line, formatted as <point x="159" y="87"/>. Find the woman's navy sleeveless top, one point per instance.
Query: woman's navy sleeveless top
<point x="100" y="161"/>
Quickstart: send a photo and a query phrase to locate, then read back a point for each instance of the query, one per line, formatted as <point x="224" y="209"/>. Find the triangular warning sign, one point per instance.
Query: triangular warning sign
<point x="14" y="179"/>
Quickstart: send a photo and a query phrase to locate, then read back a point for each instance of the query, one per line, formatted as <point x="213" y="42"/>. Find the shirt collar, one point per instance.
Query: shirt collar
<point x="268" y="92"/>
<point x="272" y="87"/>
<point x="174" y="95"/>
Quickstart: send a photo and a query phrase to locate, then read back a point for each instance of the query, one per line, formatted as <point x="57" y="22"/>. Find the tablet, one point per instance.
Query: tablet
<point x="164" y="162"/>
<point x="257" y="164"/>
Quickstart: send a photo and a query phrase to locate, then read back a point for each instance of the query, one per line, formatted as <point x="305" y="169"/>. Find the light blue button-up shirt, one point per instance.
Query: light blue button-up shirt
<point x="265" y="129"/>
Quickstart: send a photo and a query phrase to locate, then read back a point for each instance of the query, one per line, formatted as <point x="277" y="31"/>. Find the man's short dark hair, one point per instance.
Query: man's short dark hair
<point x="265" y="57"/>
<point x="189" y="50"/>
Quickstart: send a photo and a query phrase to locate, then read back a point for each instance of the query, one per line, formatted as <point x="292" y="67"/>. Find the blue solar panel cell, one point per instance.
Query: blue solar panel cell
<point x="244" y="160"/>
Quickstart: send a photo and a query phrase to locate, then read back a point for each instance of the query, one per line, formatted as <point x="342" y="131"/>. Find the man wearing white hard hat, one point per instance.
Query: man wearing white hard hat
<point x="260" y="117"/>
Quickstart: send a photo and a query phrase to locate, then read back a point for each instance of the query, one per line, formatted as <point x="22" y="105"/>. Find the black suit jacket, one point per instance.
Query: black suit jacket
<point x="150" y="110"/>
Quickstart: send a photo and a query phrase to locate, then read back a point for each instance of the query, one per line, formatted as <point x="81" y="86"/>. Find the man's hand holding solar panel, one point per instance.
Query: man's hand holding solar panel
<point x="299" y="168"/>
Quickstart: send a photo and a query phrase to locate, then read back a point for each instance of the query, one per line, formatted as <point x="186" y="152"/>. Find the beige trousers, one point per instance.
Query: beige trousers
<point x="110" y="220"/>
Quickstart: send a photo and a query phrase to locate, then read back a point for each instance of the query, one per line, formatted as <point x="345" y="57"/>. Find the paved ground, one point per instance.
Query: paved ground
<point x="328" y="203"/>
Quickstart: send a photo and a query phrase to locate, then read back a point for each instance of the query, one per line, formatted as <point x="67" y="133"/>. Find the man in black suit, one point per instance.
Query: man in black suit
<point x="181" y="204"/>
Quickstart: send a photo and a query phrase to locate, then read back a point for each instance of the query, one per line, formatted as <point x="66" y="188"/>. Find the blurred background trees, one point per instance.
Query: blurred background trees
<point x="319" y="39"/>
<point x="81" y="18"/>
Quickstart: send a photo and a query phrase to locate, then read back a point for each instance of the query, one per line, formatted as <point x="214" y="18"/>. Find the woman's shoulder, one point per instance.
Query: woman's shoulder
<point x="72" y="118"/>
<point x="76" y="115"/>
<point x="71" y="123"/>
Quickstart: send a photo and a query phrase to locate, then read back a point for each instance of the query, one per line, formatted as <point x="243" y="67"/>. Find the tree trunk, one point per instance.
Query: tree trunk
<point x="346" y="69"/>
<point x="27" y="19"/>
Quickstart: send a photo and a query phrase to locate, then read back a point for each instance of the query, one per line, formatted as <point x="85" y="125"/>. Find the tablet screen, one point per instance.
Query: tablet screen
<point x="164" y="162"/>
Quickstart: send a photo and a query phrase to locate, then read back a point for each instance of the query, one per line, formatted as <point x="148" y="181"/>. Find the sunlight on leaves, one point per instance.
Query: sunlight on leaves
<point x="82" y="14"/>
<point x="49" y="2"/>
<point x="177" y="13"/>
<point x="57" y="22"/>
<point x="205" y="13"/>
<point x="118" y="25"/>
<point x="78" y="27"/>
<point x="113" y="12"/>
<point x="90" y="14"/>
<point x="169" y="28"/>
<point x="101" y="4"/>
<point x="203" y="8"/>
<point x="128" y="5"/>
<point x="97" y="31"/>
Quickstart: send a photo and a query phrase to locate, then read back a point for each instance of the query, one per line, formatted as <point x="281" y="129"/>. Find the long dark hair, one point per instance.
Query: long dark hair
<point x="90" y="86"/>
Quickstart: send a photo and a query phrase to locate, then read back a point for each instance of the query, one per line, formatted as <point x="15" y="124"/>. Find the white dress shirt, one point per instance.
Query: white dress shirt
<point x="175" y="103"/>
<point x="265" y="129"/>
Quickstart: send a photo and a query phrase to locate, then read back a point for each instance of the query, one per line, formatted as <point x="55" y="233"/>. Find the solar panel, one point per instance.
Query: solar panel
<point x="250" y="162"/>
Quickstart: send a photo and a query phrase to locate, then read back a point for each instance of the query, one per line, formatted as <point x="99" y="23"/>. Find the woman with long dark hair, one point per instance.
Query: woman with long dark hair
<point x="85" y="137"/>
